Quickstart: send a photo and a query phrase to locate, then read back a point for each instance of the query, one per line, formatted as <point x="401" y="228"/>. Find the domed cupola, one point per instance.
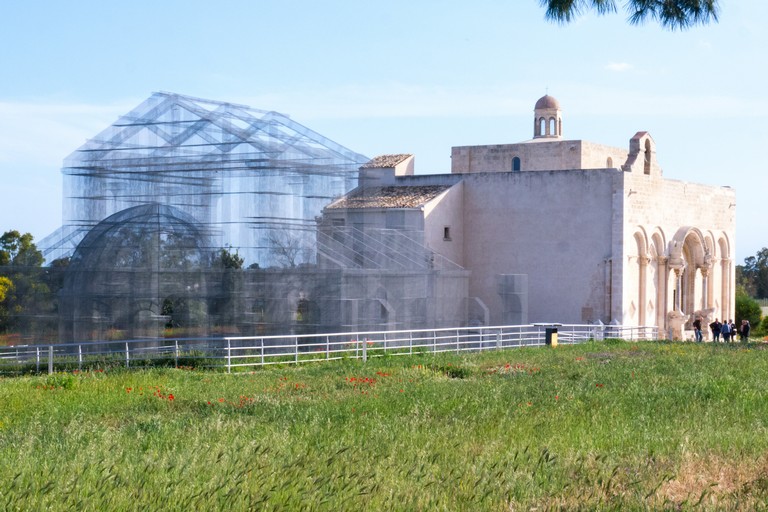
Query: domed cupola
<point x="547" y="118"/>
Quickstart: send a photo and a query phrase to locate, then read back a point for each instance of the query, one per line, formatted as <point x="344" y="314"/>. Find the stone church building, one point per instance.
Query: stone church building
<point x="560" y="230"/>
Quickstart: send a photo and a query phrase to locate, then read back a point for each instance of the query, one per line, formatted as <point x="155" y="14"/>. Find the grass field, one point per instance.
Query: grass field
<point x="609" y="426"/>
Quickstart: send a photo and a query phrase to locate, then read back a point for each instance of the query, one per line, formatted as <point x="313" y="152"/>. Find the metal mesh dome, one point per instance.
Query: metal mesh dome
<point x="128" y="271"/>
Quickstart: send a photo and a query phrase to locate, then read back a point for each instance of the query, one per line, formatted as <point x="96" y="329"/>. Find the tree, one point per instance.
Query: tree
<point x="747" y="308"/>
<point x="230" y="260"/>
<point x="671" y="14"/>
<point x="18" y="250"/>
<point x="20" y="262"/>
<point x="288" y="248"/>
<point x="753" y="275"/>
<point x="6" y="289"/>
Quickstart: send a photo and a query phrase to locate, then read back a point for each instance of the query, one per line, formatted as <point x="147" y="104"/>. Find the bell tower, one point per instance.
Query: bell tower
<point x="547" y="118"/>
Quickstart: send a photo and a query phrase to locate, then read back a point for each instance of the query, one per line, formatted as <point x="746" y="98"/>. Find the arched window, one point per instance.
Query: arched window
<point x="647" y="167"/>
<point x="516" y="164"/>
<point x="542" y="126"/>
<point x="552" y="129"/>
<point x="609" y="163"/>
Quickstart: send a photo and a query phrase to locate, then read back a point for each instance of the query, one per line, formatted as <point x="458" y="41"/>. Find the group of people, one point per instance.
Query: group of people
<point x="727" y="330"/>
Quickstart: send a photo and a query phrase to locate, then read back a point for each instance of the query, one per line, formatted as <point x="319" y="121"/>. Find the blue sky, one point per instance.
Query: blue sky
<point x="389" y="77"/>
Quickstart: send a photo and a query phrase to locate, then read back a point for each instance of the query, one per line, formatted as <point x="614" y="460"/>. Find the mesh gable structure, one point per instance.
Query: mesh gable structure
<point x="163" y="206"/>
<point x="248" y="176"/>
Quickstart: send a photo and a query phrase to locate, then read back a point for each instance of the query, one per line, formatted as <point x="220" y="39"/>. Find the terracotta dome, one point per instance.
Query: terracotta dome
<point x="547" y="101"/>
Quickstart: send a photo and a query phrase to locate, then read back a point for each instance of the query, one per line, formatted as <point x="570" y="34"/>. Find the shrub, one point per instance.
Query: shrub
<point x="747" y="308"/>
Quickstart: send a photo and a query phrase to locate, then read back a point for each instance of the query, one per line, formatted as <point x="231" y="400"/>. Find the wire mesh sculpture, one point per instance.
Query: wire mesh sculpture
<point x="190" y="217"/>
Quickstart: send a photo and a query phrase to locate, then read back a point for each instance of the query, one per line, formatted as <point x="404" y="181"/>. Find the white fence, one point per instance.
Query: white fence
<point x="251" y="351"/>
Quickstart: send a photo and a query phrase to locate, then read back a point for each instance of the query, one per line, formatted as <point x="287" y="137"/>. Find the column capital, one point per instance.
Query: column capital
<point x="676" y="263"/>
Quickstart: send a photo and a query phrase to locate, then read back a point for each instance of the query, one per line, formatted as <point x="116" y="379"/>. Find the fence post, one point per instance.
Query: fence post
<point x="37" y="359"/>
<point x="50" y="359"/>
<point x="498" y="339"/>
<point x="457" y="341"/>
<point x="127" y="356"/>
<point x="295" y="349"/>
<point x="327" y="347"/>
<point x="176" y="353"/>
<point x="229" y="356"/>
<point x="365" y="350"/>
<point x="410" y="342"/>
<point x="262" y="351"/>
<point x="79" y="357"/>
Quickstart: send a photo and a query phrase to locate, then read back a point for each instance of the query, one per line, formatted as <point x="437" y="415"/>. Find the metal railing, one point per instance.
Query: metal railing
<point x="230" y="353"/>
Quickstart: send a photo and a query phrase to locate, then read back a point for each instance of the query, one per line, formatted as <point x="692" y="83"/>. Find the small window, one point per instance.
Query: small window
<point x="647" y="166"/>
<point x="516" y="164"/>
<point x="609" y="163"/>
<point x="447" y="233"/>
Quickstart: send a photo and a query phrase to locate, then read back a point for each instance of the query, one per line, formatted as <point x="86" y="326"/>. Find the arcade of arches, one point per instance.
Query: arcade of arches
<point x="678" y="280"/>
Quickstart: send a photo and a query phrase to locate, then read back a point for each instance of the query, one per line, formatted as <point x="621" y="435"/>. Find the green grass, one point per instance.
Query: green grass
<point x="610" y="426"/>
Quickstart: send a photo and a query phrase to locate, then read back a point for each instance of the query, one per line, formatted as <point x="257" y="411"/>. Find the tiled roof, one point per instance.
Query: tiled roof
<point x="385" y="161"/>
<point x="389" y="197"/>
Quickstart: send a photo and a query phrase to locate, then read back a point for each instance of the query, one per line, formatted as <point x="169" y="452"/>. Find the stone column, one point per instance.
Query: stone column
<point x="704" y="286"/>
<point x="643" y="266"/>
<point x="725" y="293"/>
<point x="661" y="289"/>
<point x="676" y="318"/>
<point x="678" y="288"/>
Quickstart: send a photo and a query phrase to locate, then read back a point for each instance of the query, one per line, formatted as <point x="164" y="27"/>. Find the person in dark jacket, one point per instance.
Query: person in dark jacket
<point x="715" y="326"/>
<point x="697" y="329"/>
<point x="744" y="332"/>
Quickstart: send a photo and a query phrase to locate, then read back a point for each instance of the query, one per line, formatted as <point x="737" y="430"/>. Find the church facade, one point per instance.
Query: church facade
<point x="559" y="230"/>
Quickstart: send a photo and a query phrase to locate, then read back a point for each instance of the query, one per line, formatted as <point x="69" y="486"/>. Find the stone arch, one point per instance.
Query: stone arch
<point x="690" y="259"/>
<point x="641" y="239"/>
<point x="726" y="276"/>
<point x="661" y="278"/>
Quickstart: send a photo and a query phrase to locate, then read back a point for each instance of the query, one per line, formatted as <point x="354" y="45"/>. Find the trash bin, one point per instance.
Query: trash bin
<point x="551" y="336"/>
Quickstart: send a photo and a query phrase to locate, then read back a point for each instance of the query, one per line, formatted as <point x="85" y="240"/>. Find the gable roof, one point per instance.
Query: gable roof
<point x="389" y="197"/>
<point x="385" y="161"/>
<point x="171" y="130"/>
